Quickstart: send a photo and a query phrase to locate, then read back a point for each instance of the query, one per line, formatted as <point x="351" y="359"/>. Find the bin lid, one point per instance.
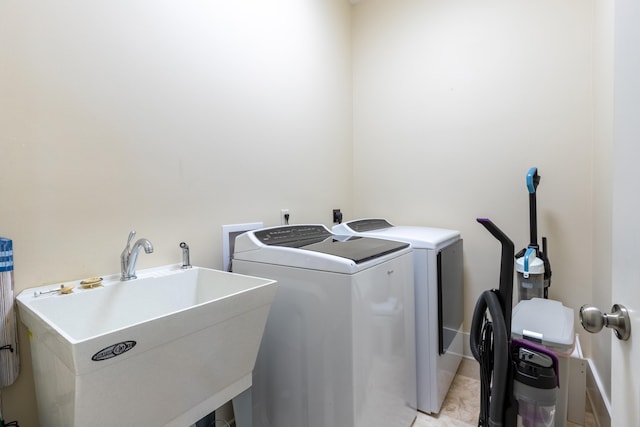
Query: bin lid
<point x="545" y="321"/>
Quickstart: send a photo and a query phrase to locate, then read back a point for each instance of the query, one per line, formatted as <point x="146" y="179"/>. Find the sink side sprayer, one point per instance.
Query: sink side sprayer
<point x="129" y="256"/>
<point x="185" y="255"/>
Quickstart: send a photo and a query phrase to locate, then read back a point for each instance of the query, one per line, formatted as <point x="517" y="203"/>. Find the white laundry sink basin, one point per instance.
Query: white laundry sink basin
<point x="164" y="349"/>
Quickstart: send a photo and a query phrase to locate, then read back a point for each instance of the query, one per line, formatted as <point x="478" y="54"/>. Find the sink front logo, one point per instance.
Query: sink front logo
<point x="113" y="350"/>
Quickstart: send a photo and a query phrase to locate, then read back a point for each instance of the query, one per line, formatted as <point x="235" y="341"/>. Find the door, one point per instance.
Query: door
<point x="625" y="355"/>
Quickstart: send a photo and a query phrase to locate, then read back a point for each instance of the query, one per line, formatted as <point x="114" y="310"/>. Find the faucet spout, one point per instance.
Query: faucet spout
<point x="129" y="256"/>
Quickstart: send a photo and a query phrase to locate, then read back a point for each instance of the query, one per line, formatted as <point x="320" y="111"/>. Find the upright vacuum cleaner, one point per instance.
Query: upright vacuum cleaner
<point x="532" y="263"/>
<point x="519" y="379"/>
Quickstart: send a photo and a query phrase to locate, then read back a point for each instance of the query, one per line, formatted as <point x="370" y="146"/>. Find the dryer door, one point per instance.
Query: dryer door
<point x="450" y="288"/>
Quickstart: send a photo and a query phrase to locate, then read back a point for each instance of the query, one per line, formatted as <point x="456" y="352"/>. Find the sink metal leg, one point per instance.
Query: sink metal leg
<point x="242" y="409"/>
<point x="207" y="421"/>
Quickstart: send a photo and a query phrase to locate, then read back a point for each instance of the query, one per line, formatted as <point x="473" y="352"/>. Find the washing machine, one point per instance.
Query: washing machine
<point x="338" y="347"/>
<point x="438" y="281"/>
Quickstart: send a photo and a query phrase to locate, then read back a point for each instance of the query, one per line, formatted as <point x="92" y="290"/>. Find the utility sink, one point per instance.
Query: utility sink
<point x="164" y="349"/>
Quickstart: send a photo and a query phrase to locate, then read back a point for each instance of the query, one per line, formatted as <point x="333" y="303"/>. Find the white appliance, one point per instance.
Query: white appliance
<point x="438" y="276"/>
<point x="338" y="347"/>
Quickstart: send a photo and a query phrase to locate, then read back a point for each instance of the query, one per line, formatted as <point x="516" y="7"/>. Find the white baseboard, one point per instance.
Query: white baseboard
<point x="600" y="404"/>
<point x="466" y="348"/>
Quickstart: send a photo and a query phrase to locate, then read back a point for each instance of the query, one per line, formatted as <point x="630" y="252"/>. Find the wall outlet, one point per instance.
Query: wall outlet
<point x="337" y="216"/>
<point x="284" y="216"/>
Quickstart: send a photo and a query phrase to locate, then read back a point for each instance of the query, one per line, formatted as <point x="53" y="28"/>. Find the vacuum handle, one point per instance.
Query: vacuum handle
<point x="496" y="232"/>
<point x="506" y="267"/>
<point x="533" y="179"/>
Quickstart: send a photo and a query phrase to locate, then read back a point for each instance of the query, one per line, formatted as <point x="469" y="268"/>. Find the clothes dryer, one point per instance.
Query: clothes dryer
<point x="438" y="281"/>
<point x="338" y="347"/>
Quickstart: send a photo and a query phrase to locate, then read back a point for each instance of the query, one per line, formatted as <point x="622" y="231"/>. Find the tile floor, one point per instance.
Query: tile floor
<point x="461" y="406"/>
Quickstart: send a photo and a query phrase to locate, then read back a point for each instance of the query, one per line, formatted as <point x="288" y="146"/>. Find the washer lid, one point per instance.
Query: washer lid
<point x="418" y="237"/>
<point x="316" y="238"/>
<point x="545" y="321"/>
<point x="358" y="249"/>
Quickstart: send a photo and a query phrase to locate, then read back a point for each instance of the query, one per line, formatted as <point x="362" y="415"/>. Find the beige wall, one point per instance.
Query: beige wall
<point x="171" y="118"/>
<point x="455" y="101"/>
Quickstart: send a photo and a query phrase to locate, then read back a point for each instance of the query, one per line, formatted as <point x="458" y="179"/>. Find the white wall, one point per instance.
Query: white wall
<point x="168" y="117"/>
<point x="454" y="102"/>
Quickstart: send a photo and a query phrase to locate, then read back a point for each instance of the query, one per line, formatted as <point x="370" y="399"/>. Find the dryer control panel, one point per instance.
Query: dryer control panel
<point x="371" y="224"/>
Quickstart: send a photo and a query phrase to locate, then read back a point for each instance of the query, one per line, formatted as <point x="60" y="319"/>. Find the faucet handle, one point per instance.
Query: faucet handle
<point x="132" y="234"/>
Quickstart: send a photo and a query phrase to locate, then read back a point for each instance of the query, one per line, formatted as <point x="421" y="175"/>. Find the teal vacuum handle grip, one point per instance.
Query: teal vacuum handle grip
<point x="533" y="179"/>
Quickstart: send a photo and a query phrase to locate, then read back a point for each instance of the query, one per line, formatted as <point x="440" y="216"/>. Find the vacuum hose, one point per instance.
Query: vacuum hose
<point x="495" y="381"/>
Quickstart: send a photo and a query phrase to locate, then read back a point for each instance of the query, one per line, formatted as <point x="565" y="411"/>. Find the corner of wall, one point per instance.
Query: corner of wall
<point x="600" y="404"/>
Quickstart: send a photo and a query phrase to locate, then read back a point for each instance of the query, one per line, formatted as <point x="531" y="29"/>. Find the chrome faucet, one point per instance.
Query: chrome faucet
<point x="129" y="256"/>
